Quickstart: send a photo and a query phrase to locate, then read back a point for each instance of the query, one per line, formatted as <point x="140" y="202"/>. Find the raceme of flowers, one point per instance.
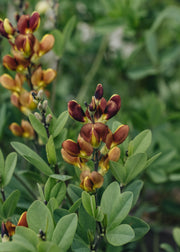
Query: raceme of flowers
<point x="26" y="50"/>
<point x="95" y="141"/>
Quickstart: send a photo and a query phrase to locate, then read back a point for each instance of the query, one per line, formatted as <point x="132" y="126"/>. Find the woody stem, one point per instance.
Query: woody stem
<point x="96" y="159"/>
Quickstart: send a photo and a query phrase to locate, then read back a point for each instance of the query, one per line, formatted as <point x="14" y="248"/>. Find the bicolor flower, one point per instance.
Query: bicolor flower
<point x="14" y="85"/>
<point x="15" y="63"/>
<point x="28" y="24"/>
<point x="24" y="43"/>
<point x="41" y="78"/>
<point x="6" y="28"/>
<point x="42" y="47"/>
<point x="76" y="154"/>
<point x="24" y="130"/>
<point x="118" y="137"/>
<point x="90" y="181"/>
<point x="94" y="133"/>
<point x="23" y="101"/>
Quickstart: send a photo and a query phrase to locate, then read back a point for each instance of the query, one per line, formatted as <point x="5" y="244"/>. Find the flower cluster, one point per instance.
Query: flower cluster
<point x="26" y="50"/>
<point x="96" y="142"/>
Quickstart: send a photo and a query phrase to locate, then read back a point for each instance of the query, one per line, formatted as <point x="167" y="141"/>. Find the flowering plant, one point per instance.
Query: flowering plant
<point x="89" y="208"/>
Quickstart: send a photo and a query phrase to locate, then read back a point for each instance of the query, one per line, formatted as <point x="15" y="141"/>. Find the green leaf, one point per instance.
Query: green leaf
<point x="60" y="123"/>
<point x="1" y="167"/>
<point x="176" y="235"/>
<point x="39" y="218"/>
<point x="60" y="138"/>
<point x="75" y="206"/>
<point x="140" y="143"/>
<point x="61" y="177"/>
<point x="41" y="192"/>
<point x="59" y="42"/>
<point x="74" y="192"/>
<point x="99" y="214"/>
<point x="38" y="126"/>
<point x="134" y="165"/>
<point x="139" y="226"/>
<point x="120" y="235"/>
<point x="158" y="175"/>
<point x="46" y="246"/>
<point x="65" y="230"/>
<point x="86" y="225"/>
<point x="174" y="177"/>
<point x="3" y="116"/>
<point x="151" y="46"/>
<point x="89" y="203"/>
<point x="52" y="204"/>
<point x="51" y="152"/>
<point x="32" y="157"/>
<point x="26" y="237"/>
<point x="141" y="72"/>
<point x="152" y="159"/>
<point x="79" y="245"/>
<point x="10" y="165"/>
<point x="68" y="29"/>
<point x="118" y="171"/>
<point x="12" y="247"/>
<point x="10" y="204"/>
<point x="58" y="192"/>
<point x="169" y="13"/>
<point x="50" y="183"/>
<point x="114" y="205"/>
<point x="59" y="213"/>
<point x="135" y="187"/>
<point x="167" y="247"/>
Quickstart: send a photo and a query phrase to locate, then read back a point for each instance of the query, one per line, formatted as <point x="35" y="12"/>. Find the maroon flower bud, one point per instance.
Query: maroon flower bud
<point x="120" y="134"/>
<point x="112" y="107"/>
<point x="71" y="147"/>
<point x="99" y="92"/>
<point x="10" y="62"/>
<point x="76" y="111"/>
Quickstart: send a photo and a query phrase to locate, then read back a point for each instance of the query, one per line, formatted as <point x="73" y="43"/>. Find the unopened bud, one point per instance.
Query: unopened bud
<point x="38" y="116"/>
<point x="45" y="104"/>
<point x="48" y="118"/>
<point x="39" y="106"/>
<point x="40" y="94"/>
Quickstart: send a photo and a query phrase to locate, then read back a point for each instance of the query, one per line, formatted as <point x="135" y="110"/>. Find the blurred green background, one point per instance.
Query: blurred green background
<point x="132" y="47"/>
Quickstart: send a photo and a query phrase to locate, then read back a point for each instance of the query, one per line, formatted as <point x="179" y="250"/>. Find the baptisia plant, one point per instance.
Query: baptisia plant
<point x="26" y="50"/>
<point x="95" y="143"/>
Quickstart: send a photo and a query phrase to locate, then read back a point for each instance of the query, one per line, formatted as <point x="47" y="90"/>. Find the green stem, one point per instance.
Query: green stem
<point x="28" y="76"/>
<point x="46" y="126"/>
<point x="54" y="85"/>
<point x="95" y="66"/>
<point x="56" y="169"/>
<point x="31" y="192"/>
